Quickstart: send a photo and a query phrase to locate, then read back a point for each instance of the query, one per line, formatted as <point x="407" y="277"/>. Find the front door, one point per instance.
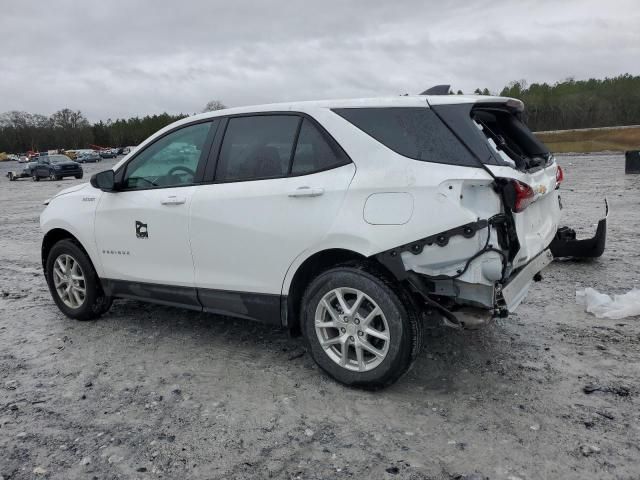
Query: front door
<point x="142" y="230"/>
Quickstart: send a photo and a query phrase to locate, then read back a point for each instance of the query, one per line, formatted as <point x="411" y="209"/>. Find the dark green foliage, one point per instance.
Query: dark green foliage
<point x="22" y="131"/>
<point x="579" y="103"/>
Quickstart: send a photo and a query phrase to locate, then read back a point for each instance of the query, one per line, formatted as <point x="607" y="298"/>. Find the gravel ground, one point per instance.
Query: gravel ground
<point x="150" y="391"/>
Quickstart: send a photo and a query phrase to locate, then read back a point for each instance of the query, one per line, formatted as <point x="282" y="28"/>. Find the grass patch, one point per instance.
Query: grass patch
<point x="617" y="139"/>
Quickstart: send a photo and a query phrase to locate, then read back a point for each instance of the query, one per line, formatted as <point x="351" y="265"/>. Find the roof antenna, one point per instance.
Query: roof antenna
<point x="438" y="90"/>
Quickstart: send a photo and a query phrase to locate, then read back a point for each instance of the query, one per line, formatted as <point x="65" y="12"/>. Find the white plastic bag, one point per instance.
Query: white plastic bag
<point x="603" y="306"/>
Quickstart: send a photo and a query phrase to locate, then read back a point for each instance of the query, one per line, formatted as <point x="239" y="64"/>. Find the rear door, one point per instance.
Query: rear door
<point x="278" y="185"/>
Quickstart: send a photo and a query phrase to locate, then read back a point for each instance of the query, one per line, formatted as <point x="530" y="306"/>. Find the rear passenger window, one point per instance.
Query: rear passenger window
<point x="414" y="132"/>
<point x="314" y="153"/>
<point x="257" y="147"/>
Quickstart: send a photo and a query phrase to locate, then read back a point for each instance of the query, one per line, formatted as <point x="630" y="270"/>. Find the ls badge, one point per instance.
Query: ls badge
<point x="141" y="230"/>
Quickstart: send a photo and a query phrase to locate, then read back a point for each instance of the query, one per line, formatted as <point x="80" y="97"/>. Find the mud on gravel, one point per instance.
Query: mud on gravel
<point x="155" y="392"/>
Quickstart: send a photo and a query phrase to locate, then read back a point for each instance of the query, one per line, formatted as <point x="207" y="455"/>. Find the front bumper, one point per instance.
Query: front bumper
<point x="68" y="173"/>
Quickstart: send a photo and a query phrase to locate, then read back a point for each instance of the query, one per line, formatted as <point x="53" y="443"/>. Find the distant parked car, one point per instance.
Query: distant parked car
<point x="91" y="157"/>
<point x="23" y="159"/>
<point x="56" y="167"/>
<point x="108" y="153"/>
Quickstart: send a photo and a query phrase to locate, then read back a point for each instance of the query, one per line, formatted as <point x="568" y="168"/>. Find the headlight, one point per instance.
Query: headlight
<point x="56" y="167"/>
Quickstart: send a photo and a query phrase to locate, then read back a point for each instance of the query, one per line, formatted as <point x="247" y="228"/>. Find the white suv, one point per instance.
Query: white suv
<point x="349" y="221"/>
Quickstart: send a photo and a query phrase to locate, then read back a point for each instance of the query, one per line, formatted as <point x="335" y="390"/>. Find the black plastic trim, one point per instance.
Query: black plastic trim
<point x="172" y="295"/>
<point x="261" y="307"/>
<point x="565" y="243"/>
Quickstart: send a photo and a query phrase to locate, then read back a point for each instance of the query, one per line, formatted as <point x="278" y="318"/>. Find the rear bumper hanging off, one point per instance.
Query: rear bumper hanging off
<point x="564" y="244"/>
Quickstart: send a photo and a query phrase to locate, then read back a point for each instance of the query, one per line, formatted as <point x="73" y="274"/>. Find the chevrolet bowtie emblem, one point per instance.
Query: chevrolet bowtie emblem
<point x="541" y="189"/>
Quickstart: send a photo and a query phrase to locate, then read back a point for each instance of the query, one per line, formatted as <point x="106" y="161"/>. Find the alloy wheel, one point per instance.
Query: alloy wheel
<point x="69" y="281"/>
<point x="352" y="329"/>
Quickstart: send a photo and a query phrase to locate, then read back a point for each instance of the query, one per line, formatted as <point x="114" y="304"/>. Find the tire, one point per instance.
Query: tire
<point x="398" y="321"/>
<point x="94" y="303"/>
<point x="35" y="177"/>
<point x="12" y="177"/>
<point x="79" y="176"/>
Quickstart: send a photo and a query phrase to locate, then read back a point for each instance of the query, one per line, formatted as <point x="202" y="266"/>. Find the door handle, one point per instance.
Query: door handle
<point x="306" y="192"/>
<point x="173" y="200"/>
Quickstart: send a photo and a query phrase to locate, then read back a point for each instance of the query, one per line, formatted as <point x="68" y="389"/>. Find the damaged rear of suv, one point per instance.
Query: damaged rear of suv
<point x="350" y="221"/>
<point x="505" y="204"/>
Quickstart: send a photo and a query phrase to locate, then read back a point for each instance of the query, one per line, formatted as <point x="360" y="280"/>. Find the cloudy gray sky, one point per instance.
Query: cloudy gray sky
<point x="116" y="58"/>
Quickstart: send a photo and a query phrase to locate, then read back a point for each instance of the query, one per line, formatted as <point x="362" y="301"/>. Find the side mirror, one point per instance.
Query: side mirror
<point x="105" y="181"/>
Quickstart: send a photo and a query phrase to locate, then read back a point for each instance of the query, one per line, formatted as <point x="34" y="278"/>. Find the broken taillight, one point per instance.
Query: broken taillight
<point x="559" y="176"/>
<point x="524" y="195"/>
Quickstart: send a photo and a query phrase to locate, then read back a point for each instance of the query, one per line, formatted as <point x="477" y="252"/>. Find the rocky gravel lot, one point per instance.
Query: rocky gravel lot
<point x="156" y="392"/>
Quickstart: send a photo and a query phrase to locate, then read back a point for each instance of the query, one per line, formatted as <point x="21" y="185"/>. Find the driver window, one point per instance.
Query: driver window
<point x="171" y="161"/>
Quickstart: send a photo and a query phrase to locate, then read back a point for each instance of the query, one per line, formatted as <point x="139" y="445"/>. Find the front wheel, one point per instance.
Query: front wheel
<point x="79" y="176"/>
<point x="74" y="283"/>
<point x="35" y="177"/>
<point x="360" y="328"/>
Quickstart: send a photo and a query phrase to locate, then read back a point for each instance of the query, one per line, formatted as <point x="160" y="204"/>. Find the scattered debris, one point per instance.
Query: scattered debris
<point x="605" y="415"/>
<point x="619" y="390"/>
<point x="588" y="450"/>
<point x="11" y="384"/>
<point x="39" y="471"/>
<point x="392" y="470"/>
<point x="603" y="306"/>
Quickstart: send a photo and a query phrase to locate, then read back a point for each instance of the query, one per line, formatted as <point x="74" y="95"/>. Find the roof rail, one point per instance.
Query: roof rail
<point x="438" y="90"/>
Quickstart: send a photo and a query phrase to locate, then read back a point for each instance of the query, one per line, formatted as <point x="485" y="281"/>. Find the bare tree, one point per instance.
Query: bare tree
<point x="214" y="105"/>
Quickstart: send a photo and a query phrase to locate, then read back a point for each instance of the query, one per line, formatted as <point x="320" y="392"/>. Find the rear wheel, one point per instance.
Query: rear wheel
<point x="74" y="283"/>
<point x="12" y="177"/>
<point x="360" y="329"/>
<point x="35" y="177"/>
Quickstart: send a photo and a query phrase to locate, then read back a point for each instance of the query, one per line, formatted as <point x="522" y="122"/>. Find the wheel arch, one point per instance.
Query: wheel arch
<point x="311" y="267"/>
<point x="52" y="237"/>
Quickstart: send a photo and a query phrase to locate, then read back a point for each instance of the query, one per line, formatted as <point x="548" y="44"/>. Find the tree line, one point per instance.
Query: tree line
<point x="570" y="104"/>
<point x="563" y="105"/>
<point x="69" y="129"/>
